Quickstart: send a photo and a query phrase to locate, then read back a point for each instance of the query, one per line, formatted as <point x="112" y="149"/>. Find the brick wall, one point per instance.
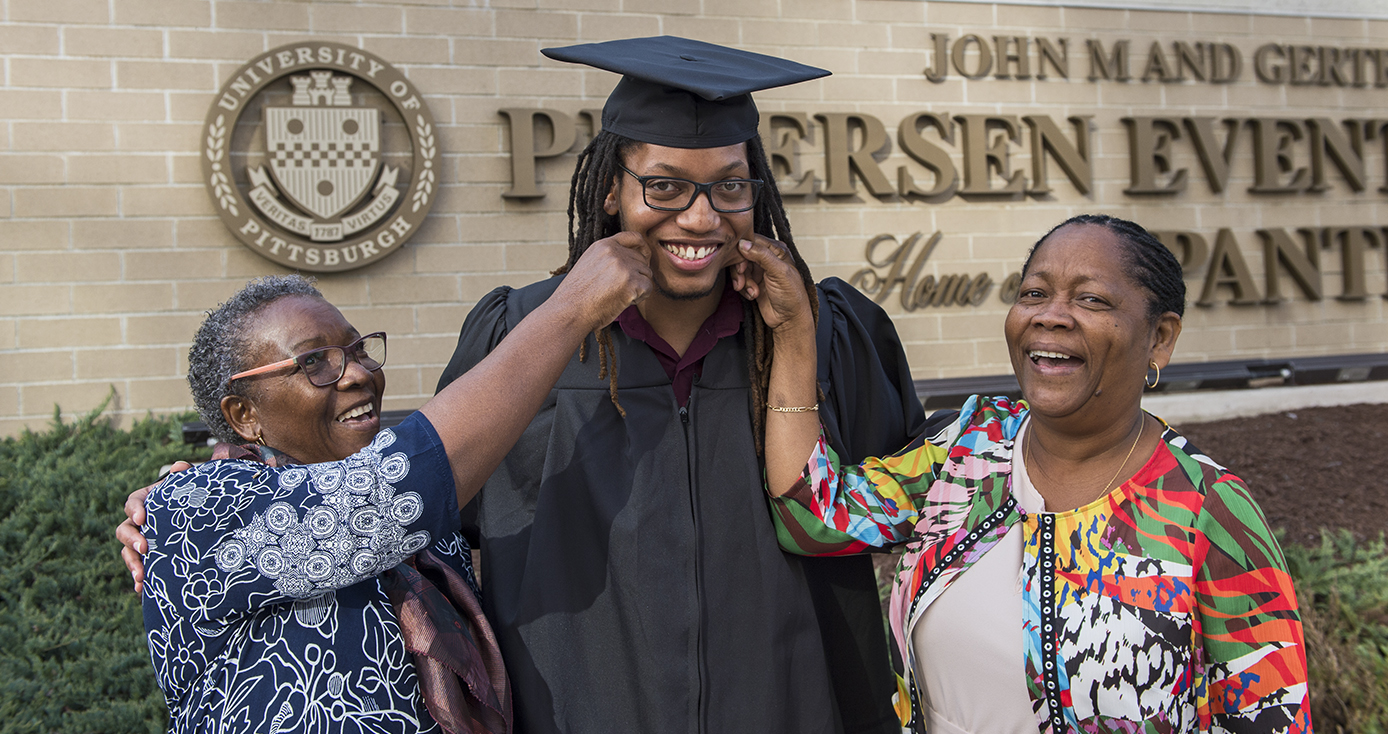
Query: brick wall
<point x="110" y="248"/>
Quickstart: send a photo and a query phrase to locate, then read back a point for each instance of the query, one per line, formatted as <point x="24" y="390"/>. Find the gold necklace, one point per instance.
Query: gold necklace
<point x="1109" y="486"/>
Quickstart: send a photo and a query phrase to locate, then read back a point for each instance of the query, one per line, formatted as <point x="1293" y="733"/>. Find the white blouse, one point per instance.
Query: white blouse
<point x="970" y="652"/>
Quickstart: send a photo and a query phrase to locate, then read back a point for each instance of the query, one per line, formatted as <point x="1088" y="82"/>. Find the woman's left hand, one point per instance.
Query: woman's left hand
<point x="768" y="276"/>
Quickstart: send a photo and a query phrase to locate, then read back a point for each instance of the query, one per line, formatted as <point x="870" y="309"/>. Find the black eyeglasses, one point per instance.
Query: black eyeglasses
<point x="669" y="194"/>
<point x="326" y="365"/>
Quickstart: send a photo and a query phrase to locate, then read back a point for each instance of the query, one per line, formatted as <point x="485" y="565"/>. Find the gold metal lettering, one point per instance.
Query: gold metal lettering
<point x="982" y="156"/>
<point x="960" y="53"/>
<point x="1299" y="66"/>
<point x="1058" y="56"/>
<point x="1272" y="156"/>
<point x="1191" y="58"/>
<point x="1345" y="146"/>
<point x="1353" y="241"/>
<point x="1073" y="159"/>
<point x="782" y="143"/>
<point x="948" y="291"/>
<point x="1007" y="292"/>
<point x="924" y="291"/>
<point x="1303" y="263"/>
<point x="977" y="290"/>
<point x="1270" y="70"/>
<point x="1334" y="61"/>
<point x="1208" y="150"/>
<point x="1380" y="67"/>
<point x="1108" y="66"/>
<point x="880" y="287"/>
<point x="1188" y="247"/>
<point x="842" y="160"/>
<point x="524" y="151"/>
<point x="940" y="71"/>
<point x="1149" y="154"/>
<point x="1157" y="66"/>
<point x="910" y="135"/>
<point x="1020" y="58"/>
<point x="1227" y="268"/>
<point x="1226" y="63"/>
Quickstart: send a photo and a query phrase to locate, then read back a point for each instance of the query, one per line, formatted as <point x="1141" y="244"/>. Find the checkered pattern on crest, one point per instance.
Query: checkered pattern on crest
<point x="323" y="158"/>
<point x="321" y="155"/>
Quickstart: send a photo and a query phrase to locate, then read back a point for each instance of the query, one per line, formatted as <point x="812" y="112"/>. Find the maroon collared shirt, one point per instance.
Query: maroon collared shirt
<point x="724" y="321"/>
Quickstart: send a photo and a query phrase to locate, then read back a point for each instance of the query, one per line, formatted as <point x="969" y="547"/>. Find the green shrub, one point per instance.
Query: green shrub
<point x="1342" y="589"/>
<point x="72" y="649"/>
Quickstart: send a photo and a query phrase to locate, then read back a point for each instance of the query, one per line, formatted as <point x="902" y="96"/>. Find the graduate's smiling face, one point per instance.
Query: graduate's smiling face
<point x="689" y="249"/>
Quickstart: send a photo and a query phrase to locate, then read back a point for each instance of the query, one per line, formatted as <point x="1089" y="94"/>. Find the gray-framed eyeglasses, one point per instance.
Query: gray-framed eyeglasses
<point x="670" y="194"/>
<point x="324" y="366"/>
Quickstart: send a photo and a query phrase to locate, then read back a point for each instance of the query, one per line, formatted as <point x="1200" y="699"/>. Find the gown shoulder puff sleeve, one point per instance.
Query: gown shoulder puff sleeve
<point x="486" y="325"/>
<point x="870" y="406"/>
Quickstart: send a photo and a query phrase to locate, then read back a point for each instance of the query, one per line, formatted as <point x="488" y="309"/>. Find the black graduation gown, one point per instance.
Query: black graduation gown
<point x="630" y="567"/>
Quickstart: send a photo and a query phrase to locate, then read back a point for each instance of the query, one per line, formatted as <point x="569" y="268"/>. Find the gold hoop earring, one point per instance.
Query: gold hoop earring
<point x="260" y="439"/>
<point x="1153" y="383"/>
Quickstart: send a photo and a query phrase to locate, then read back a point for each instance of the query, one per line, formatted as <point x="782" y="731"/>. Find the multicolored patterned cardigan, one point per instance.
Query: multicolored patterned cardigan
<point x="1164" y="606"/>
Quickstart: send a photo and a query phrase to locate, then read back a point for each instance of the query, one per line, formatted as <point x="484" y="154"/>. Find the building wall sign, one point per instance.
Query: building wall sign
<point x="320" y="156"/>
<point x="929" y="157"/>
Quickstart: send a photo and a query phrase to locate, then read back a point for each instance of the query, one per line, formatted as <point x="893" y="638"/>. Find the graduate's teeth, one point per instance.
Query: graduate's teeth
<point x="691" y="253"/>
<point x="354" y="412"/>
<point x="1037" y="353"/>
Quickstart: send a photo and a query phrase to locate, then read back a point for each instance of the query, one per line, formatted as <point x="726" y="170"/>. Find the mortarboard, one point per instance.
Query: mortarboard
<point x="684" y="93"/>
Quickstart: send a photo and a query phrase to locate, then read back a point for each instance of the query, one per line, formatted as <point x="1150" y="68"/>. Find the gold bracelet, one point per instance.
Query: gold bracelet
<point x="797" y="409"/>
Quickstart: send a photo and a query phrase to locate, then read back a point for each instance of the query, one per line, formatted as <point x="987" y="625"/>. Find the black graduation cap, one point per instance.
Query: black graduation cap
<point x="684" y="93"/>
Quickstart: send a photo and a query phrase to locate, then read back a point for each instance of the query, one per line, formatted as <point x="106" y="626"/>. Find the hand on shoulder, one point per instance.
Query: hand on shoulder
<point x="133" y="543"/>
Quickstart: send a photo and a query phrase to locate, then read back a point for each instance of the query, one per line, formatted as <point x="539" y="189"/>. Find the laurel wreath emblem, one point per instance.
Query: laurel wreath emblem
<point x="216" y="151"/>
<point x="252" y="208"/>
<point x="426" y="151"/>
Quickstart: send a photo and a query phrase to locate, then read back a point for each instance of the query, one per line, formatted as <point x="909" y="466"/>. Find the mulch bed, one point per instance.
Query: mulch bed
<point x="1309" y="469"/>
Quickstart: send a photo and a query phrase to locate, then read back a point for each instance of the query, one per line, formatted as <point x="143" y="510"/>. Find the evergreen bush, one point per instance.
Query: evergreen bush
<point x="1342" y="590"/>
<point x="72" y="649"/>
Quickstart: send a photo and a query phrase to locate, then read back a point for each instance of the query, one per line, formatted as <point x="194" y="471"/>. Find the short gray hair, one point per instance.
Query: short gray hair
<point x="220" y="345"/>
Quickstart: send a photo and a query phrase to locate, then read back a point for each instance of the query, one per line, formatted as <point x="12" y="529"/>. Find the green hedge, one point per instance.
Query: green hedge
<point x="1342" y="588"/>
<point x="72" y="650"/>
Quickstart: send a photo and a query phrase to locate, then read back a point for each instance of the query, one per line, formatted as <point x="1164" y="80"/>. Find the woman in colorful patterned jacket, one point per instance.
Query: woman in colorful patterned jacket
<point x="1072" y="563"/>
<point x="314" y="578"/>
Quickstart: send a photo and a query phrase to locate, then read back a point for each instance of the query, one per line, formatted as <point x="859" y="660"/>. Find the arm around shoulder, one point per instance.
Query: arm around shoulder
<point x="231" y="536"/>
<point x="839" y="508"/>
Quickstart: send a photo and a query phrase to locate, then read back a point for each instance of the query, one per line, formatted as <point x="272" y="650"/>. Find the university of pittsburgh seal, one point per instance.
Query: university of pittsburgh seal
<point x="320" y="156"/>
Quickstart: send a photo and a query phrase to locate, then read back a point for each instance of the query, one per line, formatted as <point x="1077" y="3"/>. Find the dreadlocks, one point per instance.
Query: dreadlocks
<point x="593" y="179"/>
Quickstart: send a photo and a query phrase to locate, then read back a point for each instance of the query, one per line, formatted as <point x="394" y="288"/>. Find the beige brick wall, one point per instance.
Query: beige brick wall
<point x="110" y="249"/>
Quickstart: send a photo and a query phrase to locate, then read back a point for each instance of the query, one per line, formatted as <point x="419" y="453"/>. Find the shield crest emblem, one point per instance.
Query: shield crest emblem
<point x="323" y="158"/>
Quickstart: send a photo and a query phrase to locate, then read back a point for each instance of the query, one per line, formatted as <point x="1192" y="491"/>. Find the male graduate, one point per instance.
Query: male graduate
<point x="629" y="565"/>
